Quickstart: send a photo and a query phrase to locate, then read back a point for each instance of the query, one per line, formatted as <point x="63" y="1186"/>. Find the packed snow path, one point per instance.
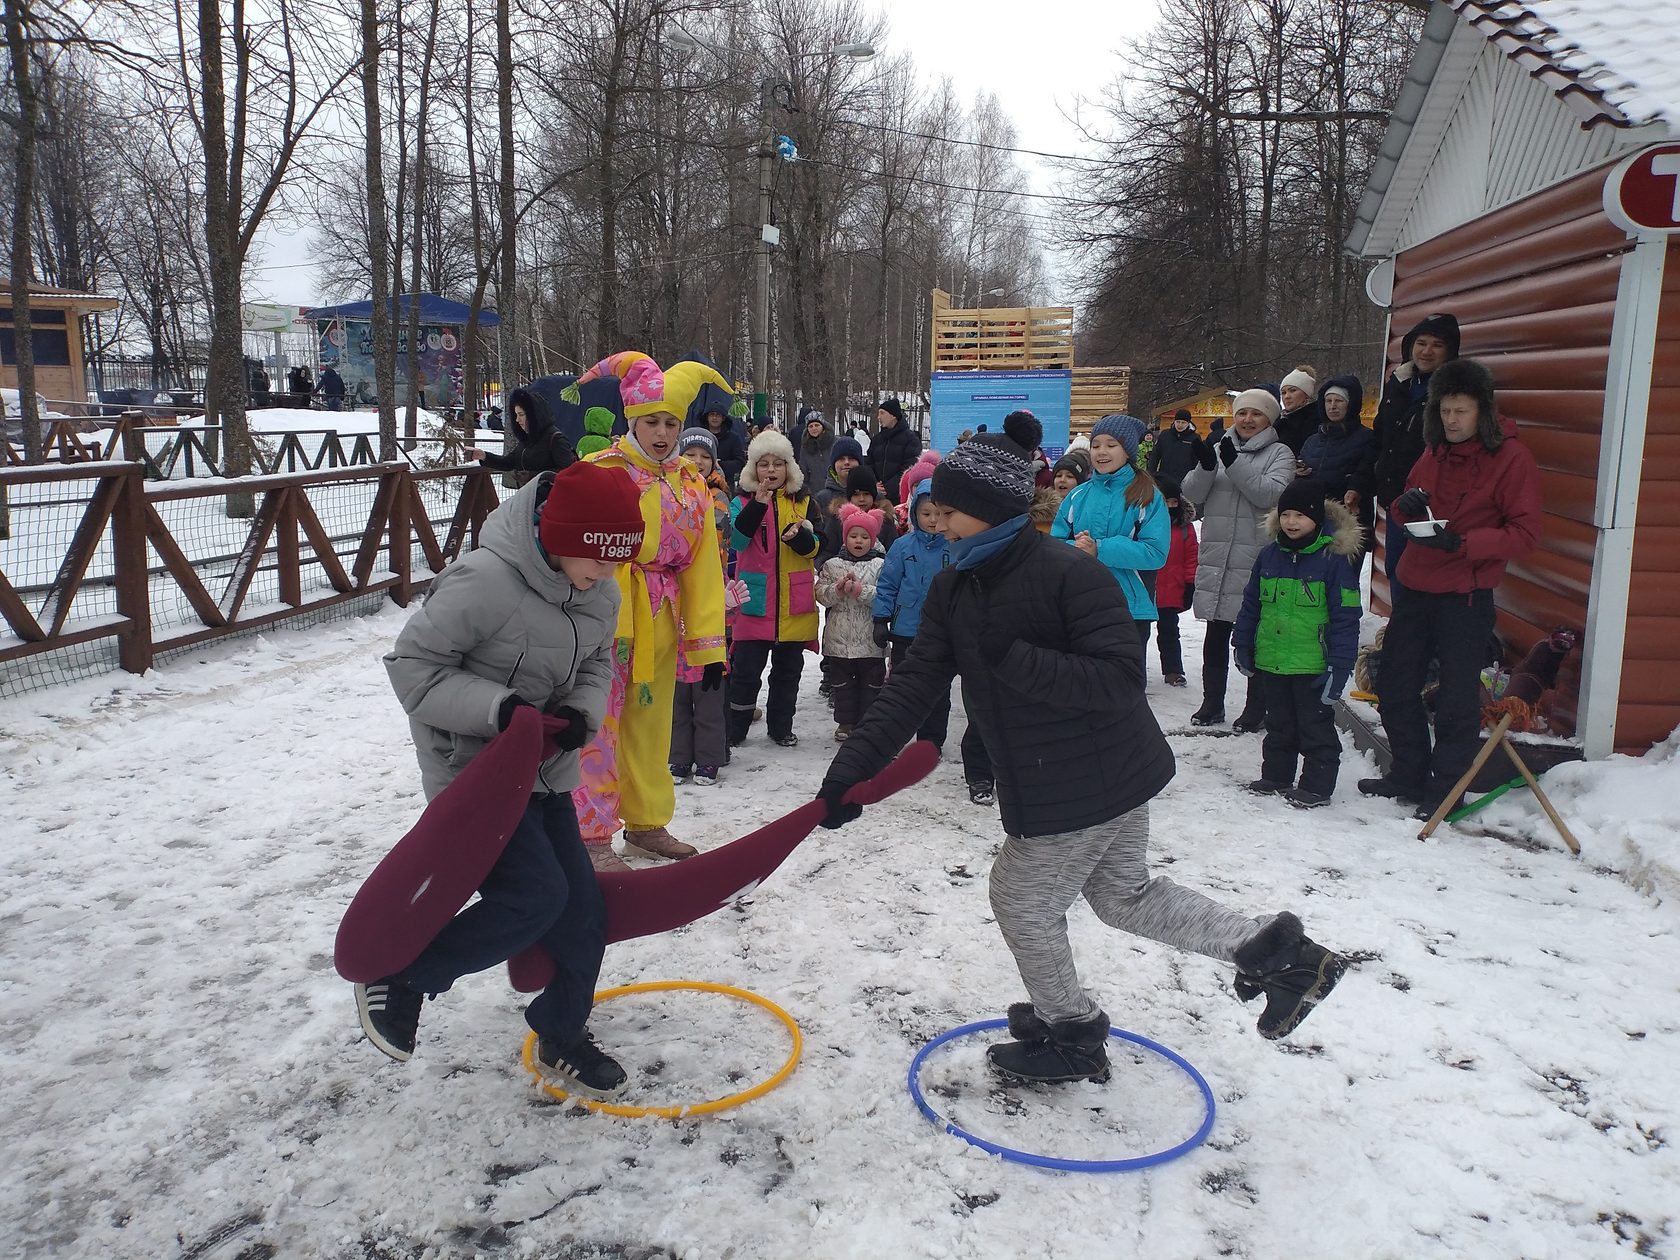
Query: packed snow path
<point x="1498" y="1076"/>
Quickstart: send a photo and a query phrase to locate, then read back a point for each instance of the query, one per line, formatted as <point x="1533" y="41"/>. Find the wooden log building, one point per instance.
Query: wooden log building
<point x="1489" y="201"/>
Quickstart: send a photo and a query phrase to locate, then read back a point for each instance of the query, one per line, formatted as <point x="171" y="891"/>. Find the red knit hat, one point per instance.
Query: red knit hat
<point x="869" y="520"/>
<point x="592" y="512"/>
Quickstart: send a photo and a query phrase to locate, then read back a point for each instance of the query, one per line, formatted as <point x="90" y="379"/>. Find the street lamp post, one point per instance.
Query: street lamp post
<point x="779" y="93"/>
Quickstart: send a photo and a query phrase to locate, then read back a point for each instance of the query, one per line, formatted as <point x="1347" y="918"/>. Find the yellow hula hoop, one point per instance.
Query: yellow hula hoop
<point x="527" y="1056"/>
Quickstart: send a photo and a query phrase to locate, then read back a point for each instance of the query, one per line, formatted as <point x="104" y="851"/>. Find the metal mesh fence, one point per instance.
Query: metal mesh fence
<point x="45" y="518"/>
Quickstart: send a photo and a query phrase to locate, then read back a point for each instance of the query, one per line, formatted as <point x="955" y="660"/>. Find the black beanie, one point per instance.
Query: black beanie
<point x="1303" y="495"/>
<point x="1024" y="430"/>
<point x="894" y="406"/>
<point x="988" y="477"/>
<point x="860" y="479"/>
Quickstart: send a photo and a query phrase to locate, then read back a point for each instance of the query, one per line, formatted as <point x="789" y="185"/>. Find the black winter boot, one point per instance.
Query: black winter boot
<point x="1024" y="1023"/>
<point x="1292" y="971"/>
<point x="1077" y="1050"/>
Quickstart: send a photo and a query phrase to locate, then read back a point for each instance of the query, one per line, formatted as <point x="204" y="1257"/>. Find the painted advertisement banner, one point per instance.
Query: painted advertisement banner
<point x="967" y="400"/>
<point x="347" y="344"/>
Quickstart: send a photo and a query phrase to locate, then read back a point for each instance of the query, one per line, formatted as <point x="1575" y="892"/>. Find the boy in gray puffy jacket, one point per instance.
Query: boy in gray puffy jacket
<point x="527" y="619"/>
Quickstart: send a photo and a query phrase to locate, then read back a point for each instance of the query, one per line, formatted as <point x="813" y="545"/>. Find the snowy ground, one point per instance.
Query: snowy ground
<point x="1499" y="1076"/>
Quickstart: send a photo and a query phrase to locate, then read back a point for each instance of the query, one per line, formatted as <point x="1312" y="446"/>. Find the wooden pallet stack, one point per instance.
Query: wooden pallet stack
<point x="1001" y="339"/>
<point x="1098" y="392"/>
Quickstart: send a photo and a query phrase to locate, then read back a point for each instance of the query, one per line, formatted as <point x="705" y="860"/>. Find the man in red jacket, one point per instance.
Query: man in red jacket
<point x="1482" y="487"/>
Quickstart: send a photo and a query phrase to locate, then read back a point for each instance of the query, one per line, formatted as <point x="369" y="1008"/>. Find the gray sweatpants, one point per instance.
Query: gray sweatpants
<point x="1034" y="881"/>
<point x="698" y="737"/>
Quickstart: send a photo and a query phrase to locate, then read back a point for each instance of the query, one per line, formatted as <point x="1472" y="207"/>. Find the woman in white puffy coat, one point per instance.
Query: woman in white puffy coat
<point x="1237" y="481"/>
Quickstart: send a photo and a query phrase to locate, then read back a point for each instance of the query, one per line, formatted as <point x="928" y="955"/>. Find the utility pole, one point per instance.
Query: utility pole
<point x="761" y="280"/>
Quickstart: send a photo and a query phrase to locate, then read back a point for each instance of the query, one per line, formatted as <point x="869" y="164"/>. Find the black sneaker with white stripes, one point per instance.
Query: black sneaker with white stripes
<point x="581" y="1067"/>
<point x="390" y="1014"/>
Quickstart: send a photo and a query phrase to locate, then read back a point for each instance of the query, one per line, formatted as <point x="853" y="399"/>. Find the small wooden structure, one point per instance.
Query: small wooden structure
<point x="1488" y="202"/>
<point x="1098" y="392"/>
<point x="1026" y="339"/>
<point x="56" y="327"/>
<point x="1001" y="339"/>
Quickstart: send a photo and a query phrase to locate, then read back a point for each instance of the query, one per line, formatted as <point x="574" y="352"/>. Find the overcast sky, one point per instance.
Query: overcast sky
<point x="1038" y="59"/>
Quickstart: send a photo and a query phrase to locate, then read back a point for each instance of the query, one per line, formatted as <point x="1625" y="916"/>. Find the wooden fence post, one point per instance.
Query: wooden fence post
<point x="402" y="538"/>
<point x="128" y="554"/>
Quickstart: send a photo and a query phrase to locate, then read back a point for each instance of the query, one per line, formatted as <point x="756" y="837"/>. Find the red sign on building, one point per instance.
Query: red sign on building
<point x="1642" y="193"/>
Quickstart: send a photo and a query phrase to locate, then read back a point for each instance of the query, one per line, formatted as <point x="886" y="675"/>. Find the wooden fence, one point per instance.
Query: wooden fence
<point x="195" y="450"/>
<point x="123" y="515"/>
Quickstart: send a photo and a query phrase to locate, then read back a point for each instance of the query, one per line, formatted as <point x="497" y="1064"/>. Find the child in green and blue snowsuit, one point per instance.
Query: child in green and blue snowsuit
<point x="1298" y="634"/>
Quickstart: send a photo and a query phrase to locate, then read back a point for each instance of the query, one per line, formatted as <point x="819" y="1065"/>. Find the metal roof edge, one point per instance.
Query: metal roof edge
<point x="1437" y="33"/>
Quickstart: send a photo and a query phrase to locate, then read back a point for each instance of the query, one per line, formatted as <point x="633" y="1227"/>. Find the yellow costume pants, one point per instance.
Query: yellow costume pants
<point x="626" y="775"/>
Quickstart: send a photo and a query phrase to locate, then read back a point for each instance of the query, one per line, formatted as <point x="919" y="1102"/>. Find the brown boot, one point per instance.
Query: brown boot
<point x="656" y="842"/>
<point x="602" y="858"/>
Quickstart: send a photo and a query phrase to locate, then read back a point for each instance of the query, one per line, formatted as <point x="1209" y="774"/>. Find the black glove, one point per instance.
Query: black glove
<point x="576" y="734"/>
<point x="883" y="632"/>
<point x="1245" y="661"/>
<point x="1227" y="451"/>
<point x="1204" y="449"/>
<point x="713" y="678"/>
<point x="504" y="715"/>
<point x="839" y="813"/>
<point x="1414" y="504"/>
<point x="1440" y="540"/>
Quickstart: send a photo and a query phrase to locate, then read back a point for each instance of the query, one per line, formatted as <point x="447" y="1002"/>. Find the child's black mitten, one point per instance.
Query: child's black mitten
<point x="576" y="734"/>
<point x="883" y="632"/>
<point x="504" y="715"/>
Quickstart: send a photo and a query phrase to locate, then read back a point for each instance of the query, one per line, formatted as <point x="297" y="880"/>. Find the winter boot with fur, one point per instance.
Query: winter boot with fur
<point x="1075" y="1050"/>
<point x="1024" y="1023"/>
<point x="1292" y="971"/>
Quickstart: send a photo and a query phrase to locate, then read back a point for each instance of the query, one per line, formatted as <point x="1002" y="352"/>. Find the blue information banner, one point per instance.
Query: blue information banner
<point x="967" y="400"/>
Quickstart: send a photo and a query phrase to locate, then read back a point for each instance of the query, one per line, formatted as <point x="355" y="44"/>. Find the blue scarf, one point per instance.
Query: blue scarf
<point x="974" y="551"/>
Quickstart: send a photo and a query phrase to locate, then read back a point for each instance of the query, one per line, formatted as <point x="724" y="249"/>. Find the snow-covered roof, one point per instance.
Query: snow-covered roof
<point x="1609" y="61"/>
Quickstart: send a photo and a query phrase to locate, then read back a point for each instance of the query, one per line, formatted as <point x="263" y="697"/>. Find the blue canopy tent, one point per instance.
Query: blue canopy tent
<point x="433" y="310"/>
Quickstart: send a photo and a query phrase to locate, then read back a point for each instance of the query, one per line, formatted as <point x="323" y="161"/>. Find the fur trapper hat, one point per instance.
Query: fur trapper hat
<point x="774" y="444"/>
<point x="1468" y="377"/>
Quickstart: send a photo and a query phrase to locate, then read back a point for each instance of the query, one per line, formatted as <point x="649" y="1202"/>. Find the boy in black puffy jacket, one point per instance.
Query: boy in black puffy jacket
<point x="1052" y="673"/>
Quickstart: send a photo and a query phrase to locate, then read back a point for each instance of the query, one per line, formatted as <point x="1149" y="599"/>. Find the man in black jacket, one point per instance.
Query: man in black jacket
<point x="1175" y="449"/>
<point x="1433" y="340"/>
<point x="895" y="449"/>
<point x="1052" y="674"/>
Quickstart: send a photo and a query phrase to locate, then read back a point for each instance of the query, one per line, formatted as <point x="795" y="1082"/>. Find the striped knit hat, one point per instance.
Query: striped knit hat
<point x="988" y="477"/>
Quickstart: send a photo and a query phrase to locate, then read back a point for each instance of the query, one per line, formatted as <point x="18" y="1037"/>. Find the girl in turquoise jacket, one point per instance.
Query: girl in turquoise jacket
<point x="1119" y="516"/>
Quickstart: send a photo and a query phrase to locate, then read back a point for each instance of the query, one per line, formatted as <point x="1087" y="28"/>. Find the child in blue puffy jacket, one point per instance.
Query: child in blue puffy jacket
<point x="916" y="558"/>
<point x="1119" y="516"/>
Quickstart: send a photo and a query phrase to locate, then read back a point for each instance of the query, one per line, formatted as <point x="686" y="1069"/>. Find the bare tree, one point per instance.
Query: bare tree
<point x="384" y="344"/>
<point x="249" y="117"/>
<point x="27" y="120"/>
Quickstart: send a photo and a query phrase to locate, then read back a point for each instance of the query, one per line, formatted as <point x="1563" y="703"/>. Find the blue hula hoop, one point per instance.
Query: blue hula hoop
<point x="1052" y="1161"/>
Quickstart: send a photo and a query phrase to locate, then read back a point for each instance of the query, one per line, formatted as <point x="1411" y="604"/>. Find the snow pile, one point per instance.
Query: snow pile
<point x="1622" y="48"/>
<point x="1497" y="1076"/>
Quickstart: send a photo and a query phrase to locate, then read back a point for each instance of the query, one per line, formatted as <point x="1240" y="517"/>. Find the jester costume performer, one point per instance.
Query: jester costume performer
<point x="671" y="610"/>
